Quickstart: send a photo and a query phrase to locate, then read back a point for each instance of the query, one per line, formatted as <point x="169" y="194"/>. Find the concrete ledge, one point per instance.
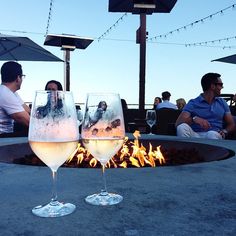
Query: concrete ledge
<point x="197" y="199"/>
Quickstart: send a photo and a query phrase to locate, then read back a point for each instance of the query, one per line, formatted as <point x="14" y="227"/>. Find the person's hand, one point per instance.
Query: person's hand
<point x="202" y="122"/>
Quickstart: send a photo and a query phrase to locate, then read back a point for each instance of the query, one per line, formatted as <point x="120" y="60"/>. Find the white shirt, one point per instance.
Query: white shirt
<point x="10" y="103"/>
<point x="166" y="104"/>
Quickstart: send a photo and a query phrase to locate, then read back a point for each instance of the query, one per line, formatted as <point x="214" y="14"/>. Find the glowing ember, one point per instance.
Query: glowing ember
<point x="132" y="154"/>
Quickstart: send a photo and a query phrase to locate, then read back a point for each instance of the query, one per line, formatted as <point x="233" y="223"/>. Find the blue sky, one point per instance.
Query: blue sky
<point x="112" y="64"/>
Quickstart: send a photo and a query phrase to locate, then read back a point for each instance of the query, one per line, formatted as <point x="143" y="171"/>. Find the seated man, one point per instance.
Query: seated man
<point x="207" y="116"/>
<point x="166" y="102"/>
<point x="12" y="108"/>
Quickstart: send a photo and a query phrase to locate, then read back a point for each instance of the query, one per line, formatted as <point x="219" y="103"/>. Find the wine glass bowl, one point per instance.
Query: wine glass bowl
<point x="103" y="134"/>
<point x="53" y="136"/>
<point x="151" y="119"/>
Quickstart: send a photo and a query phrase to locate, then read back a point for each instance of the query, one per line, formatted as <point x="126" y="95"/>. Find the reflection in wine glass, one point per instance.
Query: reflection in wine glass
<point x="79" y="117"/>
<point x="103" y="135"/>
<point x="151" y="119"/>
<point x="53" y="136"/>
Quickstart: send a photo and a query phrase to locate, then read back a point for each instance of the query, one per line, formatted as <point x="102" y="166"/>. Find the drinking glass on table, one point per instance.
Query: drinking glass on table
<point x="151" y="119"/>
<point x="53" y="136"/>
<point x="103" y="134"/>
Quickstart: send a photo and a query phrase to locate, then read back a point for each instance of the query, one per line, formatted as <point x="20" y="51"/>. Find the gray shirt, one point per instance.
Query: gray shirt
<point x="10" y="103"/>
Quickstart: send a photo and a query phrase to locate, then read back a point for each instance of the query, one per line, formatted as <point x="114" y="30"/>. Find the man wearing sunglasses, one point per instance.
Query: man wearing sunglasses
<point x="12" y="108"/>
<point x="208" y="115"/>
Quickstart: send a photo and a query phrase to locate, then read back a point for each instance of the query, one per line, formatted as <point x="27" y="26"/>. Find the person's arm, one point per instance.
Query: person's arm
<point x="184" y="117"/>
<point x="21" y="117"/>
<point x="230" y="124"/>
<point x="27" y="109"/>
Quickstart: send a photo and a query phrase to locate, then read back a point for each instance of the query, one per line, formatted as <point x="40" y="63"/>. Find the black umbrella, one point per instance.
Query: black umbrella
<point x="228" y="59"/>
<point x="19" y="48"/>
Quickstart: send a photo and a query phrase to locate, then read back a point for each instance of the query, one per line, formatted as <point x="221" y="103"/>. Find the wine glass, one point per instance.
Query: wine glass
<point x="103" y="134"/>
<point x="53" y="136"/>
<point x="151" y="119"/>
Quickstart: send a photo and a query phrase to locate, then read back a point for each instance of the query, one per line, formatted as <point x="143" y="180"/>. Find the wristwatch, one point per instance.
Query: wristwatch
<point x="225" y="131"/>
<point x="194" y="118"/>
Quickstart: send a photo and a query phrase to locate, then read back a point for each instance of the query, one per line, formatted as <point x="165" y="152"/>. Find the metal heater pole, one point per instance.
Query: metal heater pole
<point x="66" y="69"/>
<point x="142" y="63"/>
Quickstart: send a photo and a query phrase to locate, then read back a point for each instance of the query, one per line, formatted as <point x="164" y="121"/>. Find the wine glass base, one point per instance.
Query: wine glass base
<point x="54" y="210"/>
<point x="104" y="200"/>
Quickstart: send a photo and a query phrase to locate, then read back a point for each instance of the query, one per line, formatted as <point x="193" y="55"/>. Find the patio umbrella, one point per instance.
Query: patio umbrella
<point x="228" y="59"/>
<point x="19" y="48"/>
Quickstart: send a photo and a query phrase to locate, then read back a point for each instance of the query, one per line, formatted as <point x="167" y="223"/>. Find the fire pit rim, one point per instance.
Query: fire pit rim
<point x="225" y="144"/>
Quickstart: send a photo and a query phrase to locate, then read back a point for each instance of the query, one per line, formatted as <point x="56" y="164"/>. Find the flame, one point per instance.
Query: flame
<point x="93" y="162"/>
<point x="131" y="154"/>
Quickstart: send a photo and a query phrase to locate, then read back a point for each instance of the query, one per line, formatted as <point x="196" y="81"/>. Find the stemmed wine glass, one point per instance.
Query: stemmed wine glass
<point x="53" y="136"/>
<point x="103" y="134"/>
<point x="151" y="118"/>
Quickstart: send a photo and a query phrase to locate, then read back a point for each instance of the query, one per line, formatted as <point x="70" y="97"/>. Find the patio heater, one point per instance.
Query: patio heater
<point x="67" y="43"/>
<point x="141" y="7"/>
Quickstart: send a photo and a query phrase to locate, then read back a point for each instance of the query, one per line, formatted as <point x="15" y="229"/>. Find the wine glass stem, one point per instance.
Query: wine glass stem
<point x="104" y="190"/>
<point x="54" y="188"/>
<point x="150" y="129"/>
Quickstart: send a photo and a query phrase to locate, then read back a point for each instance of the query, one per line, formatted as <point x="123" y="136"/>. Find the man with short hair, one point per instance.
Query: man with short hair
<point x="207" y="116"/>
<point x="166" y="102"/>
<point x="12" y="108"/>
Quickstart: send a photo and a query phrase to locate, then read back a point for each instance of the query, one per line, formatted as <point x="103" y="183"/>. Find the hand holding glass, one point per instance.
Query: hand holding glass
<point x="53" y="136"/>
<point x="103" y="134"/>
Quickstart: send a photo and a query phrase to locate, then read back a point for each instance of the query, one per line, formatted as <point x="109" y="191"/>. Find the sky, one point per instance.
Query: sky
<point x="111" y="64"/>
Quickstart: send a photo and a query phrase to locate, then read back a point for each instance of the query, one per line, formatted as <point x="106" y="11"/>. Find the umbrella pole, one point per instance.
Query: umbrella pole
<point x="142" y="62"/>
<point x="66" y="69"/>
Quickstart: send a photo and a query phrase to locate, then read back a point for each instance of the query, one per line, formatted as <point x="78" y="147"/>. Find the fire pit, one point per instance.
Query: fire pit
<point x="135" y="153"/>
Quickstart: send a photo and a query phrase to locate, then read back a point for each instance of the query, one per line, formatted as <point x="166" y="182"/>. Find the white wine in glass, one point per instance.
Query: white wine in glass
<point x="53" y="136"/>
<point x="103" y="134"/>
<point x="151" y="119"/>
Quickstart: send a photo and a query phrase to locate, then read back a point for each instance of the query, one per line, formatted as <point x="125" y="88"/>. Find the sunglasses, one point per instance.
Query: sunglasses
<point x="221" y="84"/>
<point x="22" y="76"/>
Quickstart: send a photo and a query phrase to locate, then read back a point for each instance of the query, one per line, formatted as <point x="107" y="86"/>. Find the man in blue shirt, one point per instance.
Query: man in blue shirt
<point x="166" y="102"/>
<point x="207" y="116"/>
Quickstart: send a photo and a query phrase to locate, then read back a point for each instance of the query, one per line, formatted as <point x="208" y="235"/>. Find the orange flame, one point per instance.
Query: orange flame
<point x="137" y="157"/>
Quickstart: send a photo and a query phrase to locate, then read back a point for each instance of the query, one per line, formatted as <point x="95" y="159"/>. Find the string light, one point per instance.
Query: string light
<point x="193" y="23"/>
<point x="111" y="27"/>
<point x="20" y="31"/>
<point x="211" y="41"/>
<point x="203" y="44"/>
<point x="102" y="37"/>
<point x="119" y="40"/>
<point x="49" y="16"/>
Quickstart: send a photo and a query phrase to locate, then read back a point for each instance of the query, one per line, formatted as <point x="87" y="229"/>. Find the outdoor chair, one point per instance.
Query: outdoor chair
<point x="166" y="118"/>
<point x="134" y="120"/>
<point x="228" y="97"/>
